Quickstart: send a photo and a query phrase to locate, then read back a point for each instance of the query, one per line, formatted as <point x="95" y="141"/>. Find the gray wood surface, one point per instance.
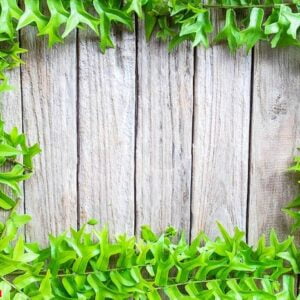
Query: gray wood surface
<point x="11" y="102"/>
<point x="107" y="132"/>
<point x="141" y="136"/>
<point x="275" y="136"/>
<point x="221" y="137"/>
<point x="49" y="115"/>
<point x="164" y="136"/>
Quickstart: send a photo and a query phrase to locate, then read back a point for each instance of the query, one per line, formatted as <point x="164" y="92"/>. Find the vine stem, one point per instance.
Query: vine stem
<point x="118" y="269"/>
<point x="15" y="162"/>
<point x="10" y="214"/>
<point x="13" y="286"/>
<point x="220" y="6"/>
<point x="1" y="236"/>
<point x="157" y="288"/>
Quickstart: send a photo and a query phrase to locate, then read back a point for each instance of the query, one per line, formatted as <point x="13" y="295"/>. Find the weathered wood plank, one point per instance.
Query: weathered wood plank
<point x="49" y="112"/>
<point x="164" y="135"/>
<point x="11" y="101"/>
<point x="107" y="132"/>
<point x="221" y="137"/>
<point x="275" y="136"/>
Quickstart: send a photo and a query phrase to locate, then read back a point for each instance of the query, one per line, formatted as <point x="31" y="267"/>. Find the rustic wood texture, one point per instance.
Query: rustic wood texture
<point x="221" y="137"/>
<point x="164" y="136"/>
<point x="107" y="132"/>
<point x="11" y="102"/>
<point x="142" y="136"/>
<point x="49" y="116"/>
<point x="275" y="136"/>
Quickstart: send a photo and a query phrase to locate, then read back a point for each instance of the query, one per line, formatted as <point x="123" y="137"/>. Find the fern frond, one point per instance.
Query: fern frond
<point x="292" y="209"/>
<point x="176" y="21"/>
<point x="16" y="165"/>
<point x="85" y="264"/>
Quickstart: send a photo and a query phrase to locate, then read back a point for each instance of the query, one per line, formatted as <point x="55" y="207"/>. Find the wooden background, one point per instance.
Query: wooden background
<point x="141" y="136"/>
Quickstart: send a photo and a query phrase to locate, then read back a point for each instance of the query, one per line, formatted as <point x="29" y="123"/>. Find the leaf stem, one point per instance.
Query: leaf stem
<point x="13" y="286"/>
<point x="10" y="214"/>
<point x="220" y="6"/>
<point x="14" y="161"/>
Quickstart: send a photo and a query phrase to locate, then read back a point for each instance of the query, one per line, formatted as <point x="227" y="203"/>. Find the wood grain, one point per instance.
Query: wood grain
<point x="107" y="132"/>
<point x="150" y="133"/>
<point x="221" y="137"/>
<point x="11" y="101"/>
<point x="275" y="136"/>
<point x="164" y="135"/>
<point x="49" y="113"/>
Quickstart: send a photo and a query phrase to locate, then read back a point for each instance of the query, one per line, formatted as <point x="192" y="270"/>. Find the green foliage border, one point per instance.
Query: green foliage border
<point x="86" y="264"/>
<point x="246" y="22"/>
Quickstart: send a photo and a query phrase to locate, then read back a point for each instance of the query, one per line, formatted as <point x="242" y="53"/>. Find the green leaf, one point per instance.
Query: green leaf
<point x="92" y="222"/>
<point x="32" y="14"/>
<point x="113" y="14"/>
<point x="78" y="16"/>
<point x="150" y="22"/>
<point x="7" y="150"/>
<point x="58" y="17"/>
<point x="199" y="26"/>
<point x="294" y="20"/>
<point x="45" y="291"/>
<point x="136" y="6"/>
<point x="280" y="27"/>
<point x="292" y="208"/>
<point x="230" y="31"/>
<point x="254" y="32"/>
<point x="6" y="202"/>
<point x="105" y="27"/>
<point x="9" y="13"/>
<point x="294" y="203"/>
<point x="107" y="16"/>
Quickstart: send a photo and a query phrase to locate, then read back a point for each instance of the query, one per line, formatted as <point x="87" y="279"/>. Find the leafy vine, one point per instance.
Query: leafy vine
<point x="16" y="165"/>
<point x="293" y="208"/>
<point x="274" y="21"/>
<point x="86" y="264"/>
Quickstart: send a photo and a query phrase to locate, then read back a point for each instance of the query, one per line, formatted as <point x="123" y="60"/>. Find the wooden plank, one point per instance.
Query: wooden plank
<point x="49" y="112"/>
<point x="11" y="101"/>
<point x="275" y="136"/>
<point x="221" y="139"/>
<point x="164" y="135"/>
<point x="107" y="132"/>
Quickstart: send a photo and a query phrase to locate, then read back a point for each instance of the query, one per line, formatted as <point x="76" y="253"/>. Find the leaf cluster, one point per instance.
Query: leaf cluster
<point x="16" y="165"/>
<point x="174" y="20"/>
<point x="85" y="264"/>
<point x="293" y="207"/>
